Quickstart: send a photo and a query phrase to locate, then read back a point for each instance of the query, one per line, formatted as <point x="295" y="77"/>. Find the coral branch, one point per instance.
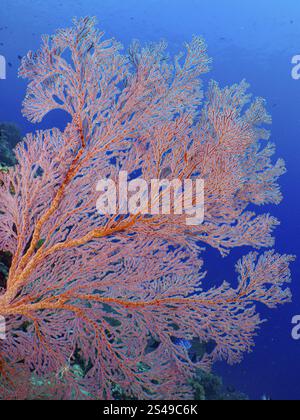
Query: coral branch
<point x="112" y="296"/>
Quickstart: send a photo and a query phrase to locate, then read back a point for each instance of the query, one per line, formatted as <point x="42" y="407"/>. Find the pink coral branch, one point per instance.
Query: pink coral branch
<point x="112" y="294"/>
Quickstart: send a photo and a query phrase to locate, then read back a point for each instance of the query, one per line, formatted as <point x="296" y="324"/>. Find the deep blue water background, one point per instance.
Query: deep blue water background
<point x="252" y="39"/>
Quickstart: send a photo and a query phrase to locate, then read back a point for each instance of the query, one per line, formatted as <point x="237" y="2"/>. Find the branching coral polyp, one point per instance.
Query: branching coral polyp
<point x="112" y="294"/>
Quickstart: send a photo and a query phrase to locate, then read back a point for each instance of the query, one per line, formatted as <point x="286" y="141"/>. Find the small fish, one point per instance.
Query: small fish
<point x="183" y="343"/>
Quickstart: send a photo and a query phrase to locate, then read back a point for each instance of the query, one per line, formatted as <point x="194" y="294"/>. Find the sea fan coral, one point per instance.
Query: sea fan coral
<point x="93" y="302"/>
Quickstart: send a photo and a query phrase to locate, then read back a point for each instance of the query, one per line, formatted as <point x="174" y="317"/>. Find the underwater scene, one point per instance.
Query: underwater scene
<point x="149" y="177"/>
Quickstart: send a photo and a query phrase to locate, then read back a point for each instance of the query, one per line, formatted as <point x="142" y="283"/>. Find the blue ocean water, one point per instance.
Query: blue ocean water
<point x="249" y="39"/>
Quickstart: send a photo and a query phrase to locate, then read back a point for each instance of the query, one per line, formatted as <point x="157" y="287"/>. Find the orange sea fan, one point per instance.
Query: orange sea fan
<point x="92" y="302"/>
